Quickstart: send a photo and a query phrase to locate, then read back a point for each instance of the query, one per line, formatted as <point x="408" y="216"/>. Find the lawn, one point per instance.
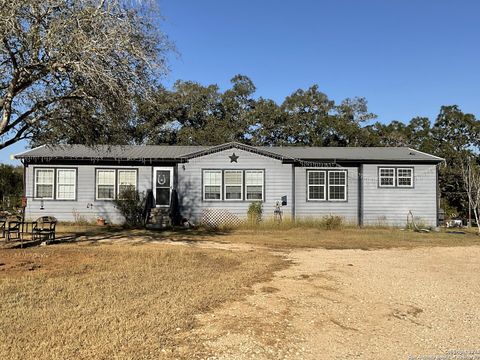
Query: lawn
<point x="116" y="301"/>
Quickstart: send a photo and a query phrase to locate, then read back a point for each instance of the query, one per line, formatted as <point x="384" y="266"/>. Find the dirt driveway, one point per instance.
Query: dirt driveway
<point x="354" y="304"/>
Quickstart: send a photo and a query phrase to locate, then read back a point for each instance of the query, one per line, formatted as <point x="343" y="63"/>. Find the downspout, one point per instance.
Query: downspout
<point x="293" y="192"/>
<point x="360" y="195"/>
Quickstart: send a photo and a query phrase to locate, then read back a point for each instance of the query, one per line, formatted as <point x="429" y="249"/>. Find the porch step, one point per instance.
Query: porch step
<point x="158" y="219"/>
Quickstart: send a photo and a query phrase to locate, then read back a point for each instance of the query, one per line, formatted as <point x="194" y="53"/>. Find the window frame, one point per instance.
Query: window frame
<point x="117" y="180"/>
<point x="345" y="186"/>
<point x="75" y="184"/>
<point x="35" y="183"/>
<point x="204" y="185"/>
<point x="245" y="196"/>
<point x="380" y="177"/>
<point x="240" y="185"/>
<point x="411" y="177"/>
<point x="325" y="187"/>
<point x="114" y="170"/>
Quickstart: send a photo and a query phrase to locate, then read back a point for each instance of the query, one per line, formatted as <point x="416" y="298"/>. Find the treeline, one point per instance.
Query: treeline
<point x="11" y="185"/>
<point x="194" y="114"/>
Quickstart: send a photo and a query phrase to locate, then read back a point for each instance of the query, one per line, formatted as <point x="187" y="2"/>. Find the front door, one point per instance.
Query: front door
<point x="162" y="185"/>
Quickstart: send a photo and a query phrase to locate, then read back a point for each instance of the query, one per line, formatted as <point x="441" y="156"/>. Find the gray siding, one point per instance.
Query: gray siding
<point x="278" y="183"/>
<point x="390" y="206"/>
<point x="316" y="209"/>
<point x="65" y="210"/>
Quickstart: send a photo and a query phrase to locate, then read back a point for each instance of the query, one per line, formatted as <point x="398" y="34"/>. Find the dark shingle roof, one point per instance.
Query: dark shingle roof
<point x="176" y="152"/>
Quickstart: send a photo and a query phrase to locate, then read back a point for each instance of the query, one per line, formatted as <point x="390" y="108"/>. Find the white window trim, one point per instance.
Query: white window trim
<point x="345" y="196"/>
<point x="57" y="182"/>
<point x="35" y="183"/>
<point x="118" y="178"/>
<point x="205" y="185"/>
<point x="317" y="185"/>
<point x="240" y="185"/>
<point x="262" y="185"/>
<point x="380" y="177"/>
<point x="114" y="183"/>
<point x="404" y="177"/>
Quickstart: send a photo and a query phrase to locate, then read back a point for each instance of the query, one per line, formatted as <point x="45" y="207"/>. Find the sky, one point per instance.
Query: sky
<point x="406" y="57"/>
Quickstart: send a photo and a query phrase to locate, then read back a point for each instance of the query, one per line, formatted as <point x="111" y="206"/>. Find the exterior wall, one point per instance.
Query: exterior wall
<point x="317" y="209"/>
<point x="277" y="182"/>
<point x="65" y="210"/>
<point x="390" y="206"/>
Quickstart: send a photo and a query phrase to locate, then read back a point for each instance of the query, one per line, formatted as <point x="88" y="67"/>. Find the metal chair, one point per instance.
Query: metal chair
<point x="13" y="227"/>
<point x="3" y="224"/>
<point x="44" y="228"/>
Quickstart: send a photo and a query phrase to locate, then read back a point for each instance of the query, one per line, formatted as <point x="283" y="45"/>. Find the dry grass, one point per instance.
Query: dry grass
<point x="116" y="301"/>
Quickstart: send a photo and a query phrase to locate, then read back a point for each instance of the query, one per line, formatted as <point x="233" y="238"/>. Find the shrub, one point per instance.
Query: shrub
<point x="332" y="222"/>
<point x="131" y="205"/>
<point x="254" y="212"/>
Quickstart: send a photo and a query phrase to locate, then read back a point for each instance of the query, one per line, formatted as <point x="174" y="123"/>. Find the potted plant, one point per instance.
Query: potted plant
<point x="100" y="221"/>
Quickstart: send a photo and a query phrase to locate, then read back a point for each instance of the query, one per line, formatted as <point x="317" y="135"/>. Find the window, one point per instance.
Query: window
<point x="316" y="185"/>
<point x="127" y="180"/>
<point x="66" y="183"/>
<point x="233" y="180"/>
<point x="337" y="185"/>
<point x="212" y="184"/>
<point x="387" y="177"/>
<point x="105" y="184"/>
<point x="44" y="180"/>
<point x="405" y="177"/>
<point x="254" y="184"/>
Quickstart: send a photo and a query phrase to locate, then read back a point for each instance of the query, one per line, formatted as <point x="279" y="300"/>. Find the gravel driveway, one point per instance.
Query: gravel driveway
<point x="354" y="304"/>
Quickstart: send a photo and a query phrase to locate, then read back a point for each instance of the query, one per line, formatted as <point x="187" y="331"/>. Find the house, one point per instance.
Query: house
<point x="364" y="185"/>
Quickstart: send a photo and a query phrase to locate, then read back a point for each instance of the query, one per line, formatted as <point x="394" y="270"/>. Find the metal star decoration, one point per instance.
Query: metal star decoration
<point x="233" y="158"/>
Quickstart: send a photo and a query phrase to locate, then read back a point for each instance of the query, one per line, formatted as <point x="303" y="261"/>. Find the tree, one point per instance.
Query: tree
<point x="471" y="182"/>
<point x="71" y="68"/>
<point x="11" y="183"/>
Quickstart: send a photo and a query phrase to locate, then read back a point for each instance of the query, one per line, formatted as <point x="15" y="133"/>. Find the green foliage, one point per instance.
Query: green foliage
<point x="255" y="211"/>
<point x="131" y="204"/>
<point x="332" y="222"/>
<point x="11" y="186"/>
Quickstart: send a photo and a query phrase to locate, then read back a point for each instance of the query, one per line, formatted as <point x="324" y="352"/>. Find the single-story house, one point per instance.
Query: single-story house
<point x="364" y="185"/>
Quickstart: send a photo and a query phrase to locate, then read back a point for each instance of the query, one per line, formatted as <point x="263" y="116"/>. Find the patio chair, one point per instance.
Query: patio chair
<point x="44" y="228"/>
<point x="3" y="224"/>
<point x="13" y="227"/>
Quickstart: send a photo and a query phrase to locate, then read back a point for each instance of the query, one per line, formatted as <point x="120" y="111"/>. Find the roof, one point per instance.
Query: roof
<point x="180" y="152"/>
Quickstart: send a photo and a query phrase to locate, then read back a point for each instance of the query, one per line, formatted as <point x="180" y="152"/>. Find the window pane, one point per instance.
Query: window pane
<point x="387" y="172"/>
<point x="44" y="191"/>
<point x="212" y="177"/>
<point x="254" y="192"/>
<point x="106" y="177"/>
<point x="336" y="192"/>
<point x="66" y="179"/>
<point x="66" y="192"/>
<point x="127" y="177"/>
<point x="212" y="192"/>
<point x="404" y="182"/>
<point x="233" y="177"/>
<point x="162" y="196"/>
<point x="404" y="172"/>
<point x="44" y="176"/>
<point x="106" y="191"/>
<point x="336" y="178"/>
<point x="316" y="177"/>
<point x="233" y="192"/>
<point x="386" y="181"/>
<point x="316" y="192"/>
<point x="254" y="177"/>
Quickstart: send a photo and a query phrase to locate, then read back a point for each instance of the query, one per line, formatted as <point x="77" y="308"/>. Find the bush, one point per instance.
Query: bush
<point x="131" y="205"/>
<point x="254" y="212"/>
<point x="332" y="222"/>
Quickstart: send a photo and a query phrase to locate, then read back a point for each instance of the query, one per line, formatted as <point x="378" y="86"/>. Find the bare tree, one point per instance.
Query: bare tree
<point x="471" y="181"/>
<point x="71" y="68"/>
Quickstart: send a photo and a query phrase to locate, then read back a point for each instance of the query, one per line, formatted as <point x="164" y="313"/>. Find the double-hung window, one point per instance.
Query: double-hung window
<point x="316" y="185"/>
<point x="254" y="184"/>
<point x="127" y="181"/>
<point x="233" y="181"/>
<point x="66" y="183"/>
<point x="44" y="183"/>
<point x="105" y="184"/>
<point x="386" y="177"/>
<point x="337" y="185"/>
<point x="404" y="177"/>
<point x="212" y="184"/>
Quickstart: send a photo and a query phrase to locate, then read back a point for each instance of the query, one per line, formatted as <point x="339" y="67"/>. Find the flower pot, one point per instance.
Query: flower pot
<point x="101" y="222"/>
